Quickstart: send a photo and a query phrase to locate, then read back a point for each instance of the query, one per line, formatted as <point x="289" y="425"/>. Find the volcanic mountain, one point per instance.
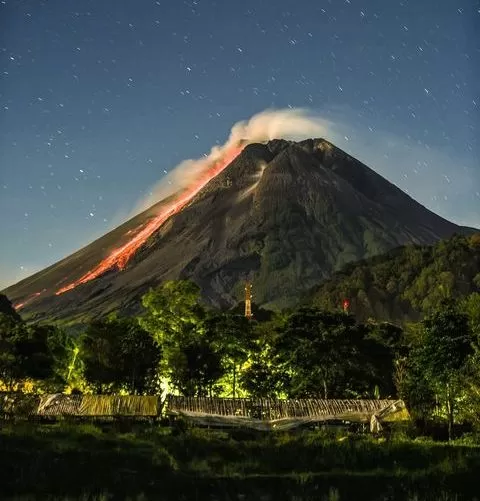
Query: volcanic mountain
<point x="283" y="214"/>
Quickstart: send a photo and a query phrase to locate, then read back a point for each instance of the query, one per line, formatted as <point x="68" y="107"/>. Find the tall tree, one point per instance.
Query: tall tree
<point x="118" y="353"/>
<point x="232" y="337"/>
<point x="176" y="320"/>
<point x="320" y="351"/>
<point x="470" y="305"/>
<point x="24" y="352"/>
<point x="446" y="349"/>
<point x="265" y="375"/>
<point x="382" y="351"/>
<point x="60" y="345"/>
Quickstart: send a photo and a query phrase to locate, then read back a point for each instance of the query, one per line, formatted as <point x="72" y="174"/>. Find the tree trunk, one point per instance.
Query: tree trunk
<point x="234" y="378"/>
<point x="450" y="410"/>
<point x="325" y="392"/>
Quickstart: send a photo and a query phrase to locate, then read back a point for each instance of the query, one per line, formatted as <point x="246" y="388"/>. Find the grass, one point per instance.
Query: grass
<point x="87" y="462"/>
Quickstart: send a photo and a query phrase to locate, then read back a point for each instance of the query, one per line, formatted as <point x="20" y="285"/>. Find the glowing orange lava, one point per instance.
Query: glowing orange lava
<point x="120" y="257"/>
<point x="19" y="306"/>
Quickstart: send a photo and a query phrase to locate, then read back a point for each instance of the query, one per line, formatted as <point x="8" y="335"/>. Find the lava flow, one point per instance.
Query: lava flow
<point x="120" y="257"/>
<point x="19" y="306"/>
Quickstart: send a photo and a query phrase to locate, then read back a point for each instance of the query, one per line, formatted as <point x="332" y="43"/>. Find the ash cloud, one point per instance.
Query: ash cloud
<point x="289" y="123"/>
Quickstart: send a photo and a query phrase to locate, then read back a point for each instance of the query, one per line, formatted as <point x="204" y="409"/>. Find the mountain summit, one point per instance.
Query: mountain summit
<point x="284" y="214"/>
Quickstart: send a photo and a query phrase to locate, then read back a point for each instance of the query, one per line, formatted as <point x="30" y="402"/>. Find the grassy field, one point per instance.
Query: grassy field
<point x="88" y="462"/>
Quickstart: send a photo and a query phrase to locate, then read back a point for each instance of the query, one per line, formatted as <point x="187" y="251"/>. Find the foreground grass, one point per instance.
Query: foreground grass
<point x="87" y="462"/>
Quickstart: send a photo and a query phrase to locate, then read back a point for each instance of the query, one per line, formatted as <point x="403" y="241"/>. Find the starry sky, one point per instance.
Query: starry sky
<point x="98" y="99"/>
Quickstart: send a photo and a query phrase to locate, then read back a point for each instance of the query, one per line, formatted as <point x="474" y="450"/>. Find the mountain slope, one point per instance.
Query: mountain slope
<point x="400" y="285"/>
<point x="284" y="214"/>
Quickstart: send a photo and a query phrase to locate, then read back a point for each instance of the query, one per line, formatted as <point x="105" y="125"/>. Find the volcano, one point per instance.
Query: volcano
<point x="282" y="214"/>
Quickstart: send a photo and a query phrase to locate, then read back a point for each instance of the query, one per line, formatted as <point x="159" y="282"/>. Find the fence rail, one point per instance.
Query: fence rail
<point x="251" y="412"/>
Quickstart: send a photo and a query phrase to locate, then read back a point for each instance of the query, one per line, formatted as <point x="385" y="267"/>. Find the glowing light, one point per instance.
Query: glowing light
<point x="19" y="306"/>
<point x="121" y="256"/>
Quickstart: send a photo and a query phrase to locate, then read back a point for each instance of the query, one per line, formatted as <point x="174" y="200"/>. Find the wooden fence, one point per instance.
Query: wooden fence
<point x="258" y="413"/>
<point x="263" y="413"/>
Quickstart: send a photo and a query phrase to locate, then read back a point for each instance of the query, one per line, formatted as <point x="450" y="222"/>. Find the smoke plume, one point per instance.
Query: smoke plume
<point x="290" y="123"/>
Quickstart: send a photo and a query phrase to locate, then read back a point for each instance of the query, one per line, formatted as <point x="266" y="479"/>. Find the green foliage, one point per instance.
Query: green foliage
<point x="231" y="337"/>
<point x="405" y="283"/>
<point x="176" y="320"/>
<point x="25" y="353"/>
<point x="439" y="362"/>
<point x="471" y="307"/>
<point x="262" y="375"/>
<point x="60" y="346"/>
<point x="172" y="309"/>
<point x="447" y="344"/>
<point x="117" y="353"/>
<point x="327" y="355"/>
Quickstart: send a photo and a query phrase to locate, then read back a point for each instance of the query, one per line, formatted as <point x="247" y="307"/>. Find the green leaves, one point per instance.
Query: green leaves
<point x="28" y="353"/>
<point x="447" y="343"/>
<point x="439" y="361"/>
<point x="327" y="355"/>
<point x="118" y="353"/>
<point x="405" y="283"/>
<point x="176" y="320"/>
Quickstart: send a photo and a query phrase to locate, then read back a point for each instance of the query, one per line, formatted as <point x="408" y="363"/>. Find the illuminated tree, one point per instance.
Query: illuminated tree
<point x="176" y="320"/>
<point x="444" y="354"/>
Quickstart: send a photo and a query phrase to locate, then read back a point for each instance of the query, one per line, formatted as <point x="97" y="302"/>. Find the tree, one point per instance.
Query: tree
<point x="263" y="374"/>
<point x="231" y="335"/>
<point x="11" y="331"/>
<point x="414" y="389"/>
<point x="140" y="357"/>
<point x="24" y="352"/>
<point x="471" y="307"/>
<point x="172" y="308"/>
<point x="194" y="366"/>
<point x="444" y="354"/>
<point x="176" y="320"/>
<point x="59" y="345"/>
<point x="320" y="351"/>
<point x="118" y="353"/>
<point x="7" y="308"/>
<point x="381" y="354"/>
<point x="261" y="378"/>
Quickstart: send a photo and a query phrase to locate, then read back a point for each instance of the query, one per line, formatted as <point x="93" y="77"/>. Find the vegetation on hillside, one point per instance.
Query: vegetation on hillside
<point x="404" y="284"/>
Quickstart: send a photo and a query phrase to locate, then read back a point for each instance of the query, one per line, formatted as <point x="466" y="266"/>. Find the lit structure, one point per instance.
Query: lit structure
<point x="248" y="300"/>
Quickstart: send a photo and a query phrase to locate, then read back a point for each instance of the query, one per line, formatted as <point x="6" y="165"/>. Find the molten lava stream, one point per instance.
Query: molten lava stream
<point x="19" y="306"/>
<point x="120" y="257"/>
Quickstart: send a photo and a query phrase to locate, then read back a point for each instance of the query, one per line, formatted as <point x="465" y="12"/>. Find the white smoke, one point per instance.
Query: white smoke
<point x="289" y="123"/>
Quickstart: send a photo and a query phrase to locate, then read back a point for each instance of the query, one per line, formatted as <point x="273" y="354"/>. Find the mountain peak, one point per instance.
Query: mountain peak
<point x="287" y="214"/>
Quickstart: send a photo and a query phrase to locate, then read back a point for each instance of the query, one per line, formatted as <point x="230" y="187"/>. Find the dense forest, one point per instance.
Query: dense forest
<point x="317" y="350"/>
<point x="403" y="284"/>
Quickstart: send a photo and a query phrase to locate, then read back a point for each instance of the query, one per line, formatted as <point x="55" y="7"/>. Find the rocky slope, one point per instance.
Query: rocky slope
<point x="283" y="214"/>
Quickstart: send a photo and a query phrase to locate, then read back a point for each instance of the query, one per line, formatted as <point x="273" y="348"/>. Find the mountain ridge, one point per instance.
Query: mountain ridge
<point x="285" y="214"/>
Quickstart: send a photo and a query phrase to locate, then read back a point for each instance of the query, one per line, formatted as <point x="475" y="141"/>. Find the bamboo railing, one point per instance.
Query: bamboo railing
<point x="261" y="413"/>
<point x="270" y="409"/>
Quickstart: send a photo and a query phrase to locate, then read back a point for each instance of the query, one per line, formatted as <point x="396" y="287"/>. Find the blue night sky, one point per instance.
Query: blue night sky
<point x="99" y="98"/>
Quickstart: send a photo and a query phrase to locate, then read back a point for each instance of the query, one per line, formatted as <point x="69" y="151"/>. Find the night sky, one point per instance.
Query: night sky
<point x="98" y="98"/>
